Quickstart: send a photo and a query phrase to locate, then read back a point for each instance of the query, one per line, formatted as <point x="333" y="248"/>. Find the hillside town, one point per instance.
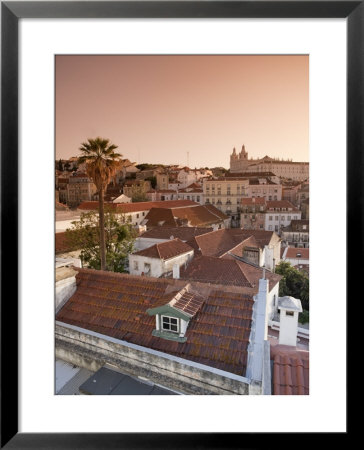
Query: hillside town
<point x="204" y="287"/>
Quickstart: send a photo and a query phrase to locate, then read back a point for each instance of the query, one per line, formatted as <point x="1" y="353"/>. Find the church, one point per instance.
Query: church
<point x="240" y="163"/>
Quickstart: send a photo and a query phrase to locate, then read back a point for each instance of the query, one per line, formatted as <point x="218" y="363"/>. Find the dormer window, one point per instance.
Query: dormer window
<point x="169" y="324"/>
<point x="172" y="319"/>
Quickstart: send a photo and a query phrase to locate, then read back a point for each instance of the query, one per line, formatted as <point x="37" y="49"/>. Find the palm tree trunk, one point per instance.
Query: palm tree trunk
<point x="102" y="230"/>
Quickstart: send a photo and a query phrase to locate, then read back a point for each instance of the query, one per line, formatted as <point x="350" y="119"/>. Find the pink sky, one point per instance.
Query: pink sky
<point x="158" y="108"/>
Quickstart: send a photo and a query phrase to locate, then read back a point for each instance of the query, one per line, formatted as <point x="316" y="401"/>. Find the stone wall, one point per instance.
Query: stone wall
<point x="91" y="350"/>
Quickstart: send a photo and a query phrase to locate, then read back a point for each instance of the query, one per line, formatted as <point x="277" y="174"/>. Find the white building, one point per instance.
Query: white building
<point x="160" y="259"/>
<point x="279" y="214"/>
<point x="296" y="256"/>
<point x="122" y="199"/>
<point x="282" y="168"/>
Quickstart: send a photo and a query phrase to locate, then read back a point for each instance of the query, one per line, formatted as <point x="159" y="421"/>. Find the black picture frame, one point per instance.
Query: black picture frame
<point x="11" y="12"/>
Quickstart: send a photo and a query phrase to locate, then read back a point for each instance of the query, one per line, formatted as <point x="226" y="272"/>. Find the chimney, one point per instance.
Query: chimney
<point x="259" y="332"/>
<point x="176" y="271"/>
<point x="288" y="324"/>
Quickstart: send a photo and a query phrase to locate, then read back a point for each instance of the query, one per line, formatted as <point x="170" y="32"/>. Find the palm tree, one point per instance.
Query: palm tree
<point x="101" y="165"/>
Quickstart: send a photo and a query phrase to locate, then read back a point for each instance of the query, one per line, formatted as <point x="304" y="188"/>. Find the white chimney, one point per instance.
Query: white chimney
<point x="288" y="324"/>
<point x="259" y="332"/>
<point x="176" y="271"/>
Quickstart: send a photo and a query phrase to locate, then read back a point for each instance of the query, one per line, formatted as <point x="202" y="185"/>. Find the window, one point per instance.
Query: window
<point x="146" y="268"/>
<point x="270" y="217"/>
<point x="276" y="217"/>
<point x="170" y="324"/>
<point x="289" y="218"/>
<point x="136" y="265"/>
<point x="289" y="313"/>
<point x="283" y="217"/>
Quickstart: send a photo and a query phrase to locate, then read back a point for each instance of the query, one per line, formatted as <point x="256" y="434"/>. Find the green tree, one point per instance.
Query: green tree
<point x="60" y="165"/>
<point x="119" y="240"/>
<point x="293" y="283"/>
<point x="101" y="165"/>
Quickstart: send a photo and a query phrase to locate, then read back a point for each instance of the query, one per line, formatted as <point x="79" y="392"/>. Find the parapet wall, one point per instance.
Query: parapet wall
<point x="92" y="350"/>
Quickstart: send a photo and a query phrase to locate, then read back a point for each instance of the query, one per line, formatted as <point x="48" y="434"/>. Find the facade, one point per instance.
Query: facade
<point x="226" y="193"/>
<point x="305" y="208"/>
<point x="160" y="259"/>
<point x="282" y="168"/>
<point x="131" y="187"/>
<point x="297" y="234"/>
<point x="161" y="195"/>
<point x="252" y="215"/>
<point x="192" y="192"/>
<point x="80" y="188"/>
<point x="162" y="180"/>
<point x="280" y="214"/>
<point x="303" y="194"/>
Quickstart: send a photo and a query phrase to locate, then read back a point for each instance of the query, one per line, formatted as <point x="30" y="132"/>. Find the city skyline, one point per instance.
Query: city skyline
<point x="184" y="109"/>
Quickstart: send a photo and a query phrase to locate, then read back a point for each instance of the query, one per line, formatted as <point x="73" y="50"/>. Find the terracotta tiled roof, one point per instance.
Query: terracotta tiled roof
<point x="208" y="269"/>
<point x="187" y="302"/>
<point x="165" y="250"/>
<point x="108" y="303"/>
<point x="281" y="204"/>
<point x="253" y="201"/>
<point x="293" y="253"/>
<point x="217" y="243"/>
<point x="195" y="216"/>
<point x="290" y="371"/>
<point x="183" y="233"/>
<point x="139" y="206"/>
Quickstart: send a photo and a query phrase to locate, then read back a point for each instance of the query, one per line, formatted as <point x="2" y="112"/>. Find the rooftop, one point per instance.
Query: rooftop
<point x="115" y="305"/>
<point x="279" y="204"/>
<point x="165" y="250"/>
<point x="253" y="201"/>
<point x="290" y="373"/>
<point x="183" y="233"/>
<point x="294" y="253"/>
<point x="219" y="242"/>
<point x="195" y="215"/>
<point x="138" y="206"/>
<point x="209" y="269"/>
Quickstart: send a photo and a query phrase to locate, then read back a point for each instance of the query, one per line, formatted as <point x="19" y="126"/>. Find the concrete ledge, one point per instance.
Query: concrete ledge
<point x="87" y="348"/>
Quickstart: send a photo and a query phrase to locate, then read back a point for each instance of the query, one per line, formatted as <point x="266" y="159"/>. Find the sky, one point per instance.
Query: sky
<point x="184" y="109"/>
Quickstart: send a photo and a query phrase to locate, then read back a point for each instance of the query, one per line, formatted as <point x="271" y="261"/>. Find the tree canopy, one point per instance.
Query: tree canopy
<point x="294" y="283"/>
<point x="101" y="164"/>
<point x="119" y="240"/>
